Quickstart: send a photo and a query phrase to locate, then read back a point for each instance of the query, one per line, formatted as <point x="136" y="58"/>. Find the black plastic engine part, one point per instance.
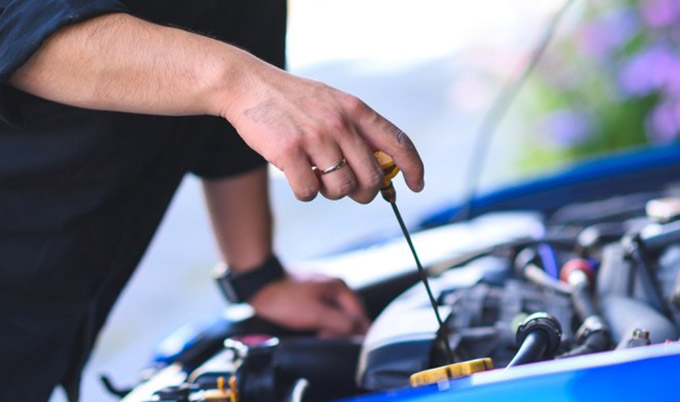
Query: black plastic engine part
<point x="538" y="337"/>
<point x="620" y="274"/>
<point x="600" y="234"/>
<point x="481" y="320"/>
<point x="593" y="335"/>
<point x="176" y="393"/>
<point x="256" y="377"/>
<point x="270" y="372"/>
<point x="624" y="315"/>
<point x="615" y="276"/>
<point x="668" y="273"/>
<point x="481" y="324"/>
<point x="646" y="276"/>
<point x="211" y="339"/>
<point x="657" y="241"/>
<point x="329" y="365"/>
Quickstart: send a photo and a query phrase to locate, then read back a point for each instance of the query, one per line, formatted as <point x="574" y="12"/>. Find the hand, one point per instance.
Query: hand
<point x="297" y="123"/>
<point x="318" y="303"/>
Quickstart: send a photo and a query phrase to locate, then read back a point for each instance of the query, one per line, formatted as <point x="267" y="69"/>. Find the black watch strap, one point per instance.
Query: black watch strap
<point x="240" y="287"/>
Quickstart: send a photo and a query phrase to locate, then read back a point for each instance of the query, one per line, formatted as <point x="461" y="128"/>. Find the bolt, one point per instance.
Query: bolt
<point x="639" y="333"/>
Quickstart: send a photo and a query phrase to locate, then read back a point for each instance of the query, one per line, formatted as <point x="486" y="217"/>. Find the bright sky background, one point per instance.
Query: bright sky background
<point x="398" y="32"/>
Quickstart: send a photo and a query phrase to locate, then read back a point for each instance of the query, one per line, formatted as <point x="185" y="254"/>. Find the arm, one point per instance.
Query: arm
<point x="241" y="218"/>
<point x="121" y="63"/>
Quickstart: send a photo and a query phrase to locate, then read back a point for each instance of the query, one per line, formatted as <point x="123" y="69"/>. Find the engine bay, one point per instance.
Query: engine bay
<point x="590" y="277"/>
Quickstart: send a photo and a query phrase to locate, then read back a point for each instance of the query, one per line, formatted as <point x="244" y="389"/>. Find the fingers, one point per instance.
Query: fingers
<point x="340" y="181"/>
<point x="359" y="177"/>
<point x="351" y="132"/>
<point x="366" y="169"/>
<point x="300" y="176"/>
<point x="343" y="301"/>
<point x="334" y="321"/>
<point x="322" y="304"/>
<point x="349" y="302"/>
<point x="384" y="136"/>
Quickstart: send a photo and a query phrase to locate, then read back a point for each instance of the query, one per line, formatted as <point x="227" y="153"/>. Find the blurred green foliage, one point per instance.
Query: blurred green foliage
<point x="609" y="82"/>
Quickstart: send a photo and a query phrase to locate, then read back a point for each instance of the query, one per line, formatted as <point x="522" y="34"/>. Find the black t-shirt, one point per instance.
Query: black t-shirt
<point x="82" y="191"/>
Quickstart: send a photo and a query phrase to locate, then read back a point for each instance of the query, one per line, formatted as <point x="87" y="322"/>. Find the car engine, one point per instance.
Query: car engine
<point x="599" y="276"/>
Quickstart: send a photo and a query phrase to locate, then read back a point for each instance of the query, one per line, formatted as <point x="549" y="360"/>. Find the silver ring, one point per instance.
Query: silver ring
<point x="335" y="167"/>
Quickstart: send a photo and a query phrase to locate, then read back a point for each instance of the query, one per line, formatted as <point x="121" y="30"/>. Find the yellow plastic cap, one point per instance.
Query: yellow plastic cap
<point x="389" y="168"/>
<point x="457" y="370"/>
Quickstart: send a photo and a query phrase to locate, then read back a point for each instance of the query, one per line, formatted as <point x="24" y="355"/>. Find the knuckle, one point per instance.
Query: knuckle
<point x="322" y="87"/>
<point x="343" y="188"/>
<point x="290" y="145"/>
<point x="347" y="186"/>
<point x="313" y="137"/>
<point x="365" y="198"/>
<point x="370" y="188"/>
<point x="306" y="193"/>
<point x="336" y="122"/>
<point x="355" y="105"/>
<point x="375" y="178"/>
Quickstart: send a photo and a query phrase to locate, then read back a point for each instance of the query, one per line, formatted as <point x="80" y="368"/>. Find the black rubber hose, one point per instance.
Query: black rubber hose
<point x="532" y="349"/>
<point x="649" y="283"/>
<point x="597" y="341"/>
<point x="583" y="302"/>
<point x="625" y="314"/>
<point x="328" y="364"/>
<point x="594" y="332"/>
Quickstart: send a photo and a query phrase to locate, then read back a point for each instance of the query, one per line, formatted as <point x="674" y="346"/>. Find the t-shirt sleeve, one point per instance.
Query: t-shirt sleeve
<point x="223" y="153"/>
<point x="24" y="26"/>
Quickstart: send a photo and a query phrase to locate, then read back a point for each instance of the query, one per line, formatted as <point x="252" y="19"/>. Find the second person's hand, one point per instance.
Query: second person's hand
<point x="318" y="303"/>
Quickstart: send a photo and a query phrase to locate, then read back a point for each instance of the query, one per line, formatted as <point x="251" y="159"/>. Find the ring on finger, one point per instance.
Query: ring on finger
<point x="333" y="168"/>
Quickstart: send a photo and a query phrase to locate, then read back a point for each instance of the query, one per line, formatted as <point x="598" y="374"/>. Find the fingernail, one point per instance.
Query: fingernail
<point x="421" y="185"/>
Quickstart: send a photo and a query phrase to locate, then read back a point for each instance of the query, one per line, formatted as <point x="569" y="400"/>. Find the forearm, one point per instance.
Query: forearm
<point x="122" y="63"/>
<point x="241" y="217"/>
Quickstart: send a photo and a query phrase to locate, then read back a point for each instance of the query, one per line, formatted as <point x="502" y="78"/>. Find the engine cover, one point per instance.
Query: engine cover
<point x="481" y="320"/>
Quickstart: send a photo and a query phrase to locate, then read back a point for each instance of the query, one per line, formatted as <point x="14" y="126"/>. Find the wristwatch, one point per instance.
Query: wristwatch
<point x="240" y="287"/>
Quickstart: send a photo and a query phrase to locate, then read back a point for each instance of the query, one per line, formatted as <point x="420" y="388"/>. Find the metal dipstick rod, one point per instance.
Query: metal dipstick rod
<point x="388" y="193"/>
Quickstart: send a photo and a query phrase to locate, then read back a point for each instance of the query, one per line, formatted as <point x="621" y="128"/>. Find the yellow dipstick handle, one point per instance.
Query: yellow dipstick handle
<point x="390" y="171"/>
